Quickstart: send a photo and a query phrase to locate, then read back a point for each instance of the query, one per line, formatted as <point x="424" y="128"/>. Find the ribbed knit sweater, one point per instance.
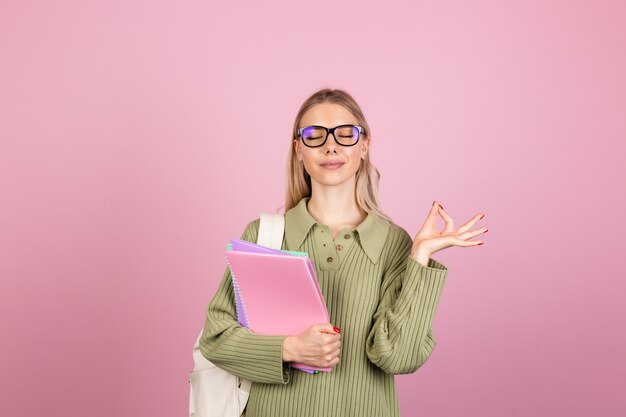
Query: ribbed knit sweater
<point x="383" y="300"/>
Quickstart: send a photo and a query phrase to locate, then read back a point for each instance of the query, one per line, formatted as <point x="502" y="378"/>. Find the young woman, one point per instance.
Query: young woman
<point x="381" y="286"/>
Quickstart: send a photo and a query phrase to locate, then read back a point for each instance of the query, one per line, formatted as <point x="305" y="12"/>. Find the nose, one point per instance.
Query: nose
<point x="331" y="143"/>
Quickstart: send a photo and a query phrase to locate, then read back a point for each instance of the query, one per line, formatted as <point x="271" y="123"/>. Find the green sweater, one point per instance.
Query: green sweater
<point x="383" y="301"/>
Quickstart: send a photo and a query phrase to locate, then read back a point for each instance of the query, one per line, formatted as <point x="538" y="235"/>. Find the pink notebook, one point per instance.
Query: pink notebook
<point x="279" y="294"/>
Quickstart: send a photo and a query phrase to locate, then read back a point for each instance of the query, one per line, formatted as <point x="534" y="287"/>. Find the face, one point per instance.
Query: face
<point x="330" y="115"/>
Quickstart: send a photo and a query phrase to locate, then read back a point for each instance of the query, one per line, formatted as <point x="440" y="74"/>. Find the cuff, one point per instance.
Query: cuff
<point x="434" y="269"/>
<point x="273" y="346"/>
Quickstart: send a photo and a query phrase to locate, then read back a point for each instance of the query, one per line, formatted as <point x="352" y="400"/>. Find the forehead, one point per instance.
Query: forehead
<point x="327" y="114"/>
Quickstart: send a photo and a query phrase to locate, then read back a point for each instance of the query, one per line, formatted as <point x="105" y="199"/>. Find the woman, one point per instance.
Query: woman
<point x="381" y="287"/>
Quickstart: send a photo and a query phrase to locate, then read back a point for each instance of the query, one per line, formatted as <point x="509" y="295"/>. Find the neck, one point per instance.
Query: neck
<point x="335" y="210"/>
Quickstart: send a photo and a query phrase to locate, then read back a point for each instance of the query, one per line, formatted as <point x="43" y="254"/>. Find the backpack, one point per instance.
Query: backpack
<point x="213" y="392"/>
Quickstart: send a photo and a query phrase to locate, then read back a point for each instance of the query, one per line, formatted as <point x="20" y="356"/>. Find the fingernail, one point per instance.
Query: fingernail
<point x="441" y="206"/>
<point x="433" y="203"/>
<point x="486" y="230"/>
<point x="481" y="216"/>
<point x="336" y="329"/>
<point x="481" y="243"/>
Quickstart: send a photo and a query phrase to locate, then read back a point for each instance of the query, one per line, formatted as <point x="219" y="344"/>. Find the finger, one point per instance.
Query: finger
<point x="326" y="328"/>
<point x="332" y="337"/>
<point x="336" y="350"/>
<point x="336" y="338"/>
<point x="432" y="215"/>
<point x="471" y="234"/>
<point x="447" y="219"/>
<point x="471" y="222"/>
<point x="466" y="243"/>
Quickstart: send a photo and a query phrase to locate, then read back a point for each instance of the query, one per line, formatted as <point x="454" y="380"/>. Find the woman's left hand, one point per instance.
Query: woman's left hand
<point x="430" y="240"/>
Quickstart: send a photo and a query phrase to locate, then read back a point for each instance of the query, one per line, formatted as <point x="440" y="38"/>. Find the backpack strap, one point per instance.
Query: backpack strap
<point x="271" y="230"/>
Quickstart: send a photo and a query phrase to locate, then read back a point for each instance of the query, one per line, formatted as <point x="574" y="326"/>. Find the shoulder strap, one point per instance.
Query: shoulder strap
<point x="271" y="230"/>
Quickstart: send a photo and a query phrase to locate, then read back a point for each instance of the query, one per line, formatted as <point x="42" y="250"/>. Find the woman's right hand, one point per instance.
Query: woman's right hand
<point x="318" y="346"/>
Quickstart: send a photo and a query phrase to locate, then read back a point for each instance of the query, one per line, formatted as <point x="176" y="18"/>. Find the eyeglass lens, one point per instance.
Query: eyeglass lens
<point x="345" y="135"/>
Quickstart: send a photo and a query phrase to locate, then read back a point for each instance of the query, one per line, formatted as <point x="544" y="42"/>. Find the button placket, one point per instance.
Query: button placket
<point x="328" y="252"/>
<point x="343" y="242"/>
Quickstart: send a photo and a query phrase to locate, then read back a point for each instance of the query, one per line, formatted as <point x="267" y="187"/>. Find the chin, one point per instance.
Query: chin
<point x="330" y="179"/>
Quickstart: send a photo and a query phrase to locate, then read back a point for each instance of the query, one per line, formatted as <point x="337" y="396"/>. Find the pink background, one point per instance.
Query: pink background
<point x="138" y="137"/>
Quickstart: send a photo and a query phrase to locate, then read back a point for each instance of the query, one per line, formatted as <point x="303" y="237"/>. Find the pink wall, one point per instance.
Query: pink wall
<point x="122" y="124"/>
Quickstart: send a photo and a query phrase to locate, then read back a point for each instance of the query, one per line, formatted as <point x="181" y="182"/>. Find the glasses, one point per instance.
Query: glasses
<point x="316" y="136"/>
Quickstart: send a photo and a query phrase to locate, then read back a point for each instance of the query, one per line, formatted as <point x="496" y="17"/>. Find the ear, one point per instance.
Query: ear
<point x="296" y="150"/>
<point x="365" y="147"/>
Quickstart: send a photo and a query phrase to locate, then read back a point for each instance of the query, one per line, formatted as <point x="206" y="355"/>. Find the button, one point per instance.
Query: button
<point x="346" y="236"/>
<point x="339" y="247"/>
<point x="329" y="259"/>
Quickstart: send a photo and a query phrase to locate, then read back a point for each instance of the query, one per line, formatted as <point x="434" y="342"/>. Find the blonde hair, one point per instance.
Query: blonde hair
<point x="367" y="176"/>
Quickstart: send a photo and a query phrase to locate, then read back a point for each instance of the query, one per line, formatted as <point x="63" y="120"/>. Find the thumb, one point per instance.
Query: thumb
<point x="328" y="328"/>
<point x="432" y="215"/>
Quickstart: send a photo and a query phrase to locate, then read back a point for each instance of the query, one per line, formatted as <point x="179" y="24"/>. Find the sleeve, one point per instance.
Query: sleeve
<point x="401" y="337"/>
<point x="235" y="348"/>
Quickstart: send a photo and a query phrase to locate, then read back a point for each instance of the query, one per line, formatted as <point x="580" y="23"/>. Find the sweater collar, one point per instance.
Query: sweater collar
<point x="372" y="231"/>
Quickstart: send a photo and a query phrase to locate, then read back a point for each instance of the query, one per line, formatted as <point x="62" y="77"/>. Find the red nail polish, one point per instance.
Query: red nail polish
<point x="336" y="329"/>
<point x="486" y="230"/>
<point x="481" y="243"/>
<point x="441" y="206"/>
<point x="481" y="216"/>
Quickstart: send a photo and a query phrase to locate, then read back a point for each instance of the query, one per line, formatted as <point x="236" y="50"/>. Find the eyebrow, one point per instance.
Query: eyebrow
<point x="321" y="124"/>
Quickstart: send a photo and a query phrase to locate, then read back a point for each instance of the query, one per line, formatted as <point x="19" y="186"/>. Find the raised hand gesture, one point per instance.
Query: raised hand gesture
<point x="429" y="239"/>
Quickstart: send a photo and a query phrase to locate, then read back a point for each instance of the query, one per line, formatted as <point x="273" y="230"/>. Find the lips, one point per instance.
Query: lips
<point x="332" y="165"/>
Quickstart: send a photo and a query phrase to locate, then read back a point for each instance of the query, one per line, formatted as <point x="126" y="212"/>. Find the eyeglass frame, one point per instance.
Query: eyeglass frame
<point x="328" y="132"/>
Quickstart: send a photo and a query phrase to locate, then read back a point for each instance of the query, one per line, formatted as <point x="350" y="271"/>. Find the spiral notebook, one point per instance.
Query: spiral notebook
<point x="276" y="291"/>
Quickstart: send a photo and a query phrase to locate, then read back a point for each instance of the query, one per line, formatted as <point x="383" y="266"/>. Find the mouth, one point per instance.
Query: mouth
<point x="332" y="165"/>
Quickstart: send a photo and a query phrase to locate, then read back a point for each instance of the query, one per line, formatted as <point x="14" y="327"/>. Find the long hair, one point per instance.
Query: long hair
<point x="367" y="176"/>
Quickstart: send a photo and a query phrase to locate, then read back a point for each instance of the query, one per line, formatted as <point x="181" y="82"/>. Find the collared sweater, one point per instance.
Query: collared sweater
<point x="381" y="298"/>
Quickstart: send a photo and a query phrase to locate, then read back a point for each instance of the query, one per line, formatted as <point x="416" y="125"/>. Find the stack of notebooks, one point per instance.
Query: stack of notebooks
<point x="276" y="291"/>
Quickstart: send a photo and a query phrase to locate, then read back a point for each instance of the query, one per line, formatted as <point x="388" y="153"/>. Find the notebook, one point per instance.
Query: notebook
<point x="276" y="291"/>
<point x="244" y="245"/>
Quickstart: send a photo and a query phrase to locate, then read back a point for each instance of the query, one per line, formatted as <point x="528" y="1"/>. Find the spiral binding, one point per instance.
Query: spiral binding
<point x="242" y="313"/>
